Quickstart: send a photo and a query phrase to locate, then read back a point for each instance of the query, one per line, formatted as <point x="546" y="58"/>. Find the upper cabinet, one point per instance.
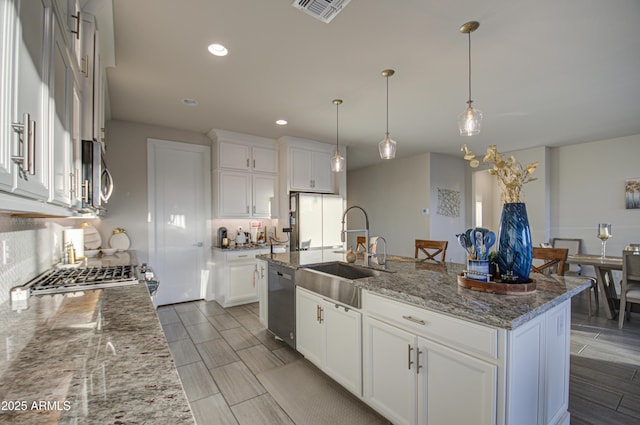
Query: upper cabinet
<point x="93" y="86"/>
<point x="45" y="61"/>
<point x="311" y="170"/>
<point x="27" y="47"/>
<point x="307" y="166"/>
<point x="246" y="179"/>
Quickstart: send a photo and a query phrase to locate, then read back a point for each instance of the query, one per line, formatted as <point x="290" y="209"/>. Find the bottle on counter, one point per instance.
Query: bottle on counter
<point x="71" y="254"/>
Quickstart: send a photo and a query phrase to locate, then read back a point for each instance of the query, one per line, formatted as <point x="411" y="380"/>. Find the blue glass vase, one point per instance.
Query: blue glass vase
<point x="514" y="242"/>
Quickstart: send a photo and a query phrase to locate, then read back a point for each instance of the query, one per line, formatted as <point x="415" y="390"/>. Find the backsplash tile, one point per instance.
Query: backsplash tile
<point x="33" y="245"/>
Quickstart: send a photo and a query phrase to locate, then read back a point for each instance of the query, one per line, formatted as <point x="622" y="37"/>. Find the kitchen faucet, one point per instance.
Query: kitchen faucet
<point x="367" y="253"/>
<point x="384" y="262"/>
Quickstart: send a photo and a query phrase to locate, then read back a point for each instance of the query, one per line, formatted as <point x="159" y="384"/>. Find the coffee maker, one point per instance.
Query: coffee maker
<point x="223" y="239"/>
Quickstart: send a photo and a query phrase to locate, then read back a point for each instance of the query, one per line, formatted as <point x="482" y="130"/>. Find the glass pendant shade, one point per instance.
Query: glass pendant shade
<point x="337" y="162"/>
<point x="387" y="148"/>
<point x="470" y="121"/>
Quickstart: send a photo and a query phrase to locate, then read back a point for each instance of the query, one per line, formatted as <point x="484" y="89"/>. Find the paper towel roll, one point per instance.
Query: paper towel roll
<point x="76" y="237"/>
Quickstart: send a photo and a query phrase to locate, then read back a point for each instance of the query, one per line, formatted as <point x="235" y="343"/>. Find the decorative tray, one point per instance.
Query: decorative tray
<point x="498" y="287"/>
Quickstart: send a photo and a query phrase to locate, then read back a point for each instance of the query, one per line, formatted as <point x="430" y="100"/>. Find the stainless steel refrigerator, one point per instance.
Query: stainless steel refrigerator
<point x="315" y="220"/>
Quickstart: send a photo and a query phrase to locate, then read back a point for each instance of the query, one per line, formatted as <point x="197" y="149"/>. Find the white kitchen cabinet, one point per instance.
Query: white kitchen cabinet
<point x="243" y="157"/>
<point x="329" y="335"/>
<point x="428" y="371"/>
<point x="63" y="176"/>
<point x="390" y="379"/>
<point x="27" y="43"/>
<point x="246" y="195"/>
<point x="262" y="281"/>
<point x="236" y="277"/>
<point x="93" y="89"/>
<point x="310" y="170"/>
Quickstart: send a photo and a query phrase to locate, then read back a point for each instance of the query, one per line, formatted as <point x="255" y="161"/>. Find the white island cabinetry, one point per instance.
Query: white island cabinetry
<point x="329" y="335"/>
<point x="421" y="366"/>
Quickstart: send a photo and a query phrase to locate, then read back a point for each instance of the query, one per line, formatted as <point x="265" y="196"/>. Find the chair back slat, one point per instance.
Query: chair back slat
<point x="431" y="249"/>
<point x="551" y="257"/>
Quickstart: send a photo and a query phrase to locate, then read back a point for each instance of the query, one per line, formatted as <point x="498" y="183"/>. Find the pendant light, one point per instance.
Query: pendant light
<point x="469" y="121"/>
<point x="337" y="161"/>
<point x="388" y="146"/>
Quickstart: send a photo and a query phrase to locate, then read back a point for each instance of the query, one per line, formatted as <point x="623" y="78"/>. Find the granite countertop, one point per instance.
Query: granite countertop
<point x="434" y="286"/>
<point x="99" y="357"/>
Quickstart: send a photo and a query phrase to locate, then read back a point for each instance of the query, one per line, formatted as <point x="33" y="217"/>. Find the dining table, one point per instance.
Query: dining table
<point x="604" y="267"/>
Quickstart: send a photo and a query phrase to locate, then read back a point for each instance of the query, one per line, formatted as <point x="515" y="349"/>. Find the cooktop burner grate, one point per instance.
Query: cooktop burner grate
<point x="71" y="280"/>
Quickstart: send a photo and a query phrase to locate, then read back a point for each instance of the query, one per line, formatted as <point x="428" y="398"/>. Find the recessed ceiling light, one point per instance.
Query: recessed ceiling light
<point x="189" y="102"/>
<point x="218" y="49"/>
<point x="281" y="122"/>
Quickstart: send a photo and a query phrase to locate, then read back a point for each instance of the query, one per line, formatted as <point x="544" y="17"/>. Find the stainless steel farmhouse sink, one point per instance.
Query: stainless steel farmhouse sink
<point x="335" y="281"/>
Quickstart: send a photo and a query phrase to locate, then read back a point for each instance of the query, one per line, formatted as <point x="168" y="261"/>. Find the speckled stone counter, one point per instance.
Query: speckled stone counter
<point x="99" y="357"/>
<point x="435" y="287"/>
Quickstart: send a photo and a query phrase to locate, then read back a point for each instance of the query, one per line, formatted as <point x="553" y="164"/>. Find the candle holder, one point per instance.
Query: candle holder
<point x="604" y="233"/>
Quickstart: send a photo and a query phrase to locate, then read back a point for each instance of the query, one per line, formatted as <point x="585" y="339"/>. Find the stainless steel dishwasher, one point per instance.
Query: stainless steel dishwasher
<point x="282" y="303"/>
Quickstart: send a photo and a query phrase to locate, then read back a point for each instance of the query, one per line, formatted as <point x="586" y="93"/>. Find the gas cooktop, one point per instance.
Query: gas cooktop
<point x="81" y="279"/>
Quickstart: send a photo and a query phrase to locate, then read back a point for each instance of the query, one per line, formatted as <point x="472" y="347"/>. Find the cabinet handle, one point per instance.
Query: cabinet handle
<point x="321" y="314"/>
<point x="247" y="209"/>
<point x="418" y="365"/>
<point x="247" y="162"/>
<point x="85" y="191"/>
<point x="318" y="313"/>
<point x="414" y="320"/>
<point x="254" y="163"/>
<point x="254" y="209"/>
<point x="72" y="186"/>
<point x="85" y="66"/>
<point x="242" y="256"/>
<point x="31" y="165"/>
<point x="23" y="129"/>
<point x="409" y="350"/>
<point x="77" y="31"/>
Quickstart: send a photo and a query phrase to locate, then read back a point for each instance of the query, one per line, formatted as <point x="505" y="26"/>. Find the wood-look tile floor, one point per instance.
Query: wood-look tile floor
<point x="219" y="351"/>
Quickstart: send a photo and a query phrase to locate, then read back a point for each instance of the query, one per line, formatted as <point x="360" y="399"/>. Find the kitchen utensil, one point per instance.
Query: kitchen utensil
<point x="222" y="234"/>
<point x="465" y="243"/>
<point x="76" y="237"/>
<point x="241" y="237"/>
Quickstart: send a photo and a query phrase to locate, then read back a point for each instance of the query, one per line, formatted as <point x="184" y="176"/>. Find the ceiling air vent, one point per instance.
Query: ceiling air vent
<point x="324" y="10"/>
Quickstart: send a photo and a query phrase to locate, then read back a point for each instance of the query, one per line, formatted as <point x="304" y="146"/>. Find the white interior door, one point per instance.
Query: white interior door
<point x="179" y="227"/>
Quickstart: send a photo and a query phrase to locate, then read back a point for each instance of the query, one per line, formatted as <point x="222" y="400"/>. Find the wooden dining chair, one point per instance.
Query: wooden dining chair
<point x="550" y="257"/>
<point x="432" y="249"/>
<point x="361" y="241"/>
<point x="575" y="245"/>
<point x="630" y="285"/>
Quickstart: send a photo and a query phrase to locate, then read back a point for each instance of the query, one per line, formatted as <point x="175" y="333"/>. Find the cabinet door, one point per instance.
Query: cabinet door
<point x="233" y="156"/>
<point x="389" y="371"/>
<point x="87" y="35"/>
<point x="322" y="178"/>
<point x="262" y="279"/>
<point x="234" y="194"/>
<point x="265" y="202"/>
<point x="301" y="169"/>
<point x="33" y="55"/>
<point x="343" y="346"/>
<point x="309" y="327"/>
<point x="264" y="160"/>
<point x="61" y="89"/>
<point x="8" y="17"/>
<point x="241" y="280"/>
<point x="445" y="378"/>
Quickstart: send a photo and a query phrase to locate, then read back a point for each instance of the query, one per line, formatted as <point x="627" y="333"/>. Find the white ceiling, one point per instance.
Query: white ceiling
<point x="544" y="72"/>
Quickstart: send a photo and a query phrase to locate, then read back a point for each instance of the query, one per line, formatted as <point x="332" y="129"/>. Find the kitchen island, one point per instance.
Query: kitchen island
<point x="423" y="350"/>
<point x="95" y="357"/>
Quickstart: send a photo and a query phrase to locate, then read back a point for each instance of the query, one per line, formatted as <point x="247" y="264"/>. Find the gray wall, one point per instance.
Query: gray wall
<point x="127" y="160"/>
<point x="394" y="194"/>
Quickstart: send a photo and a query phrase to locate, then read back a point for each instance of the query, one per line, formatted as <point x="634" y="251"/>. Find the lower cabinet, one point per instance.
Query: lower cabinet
<point x="262" y="281"/>
<point x="235" y="277"/>
<point x="329" y="335"/>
